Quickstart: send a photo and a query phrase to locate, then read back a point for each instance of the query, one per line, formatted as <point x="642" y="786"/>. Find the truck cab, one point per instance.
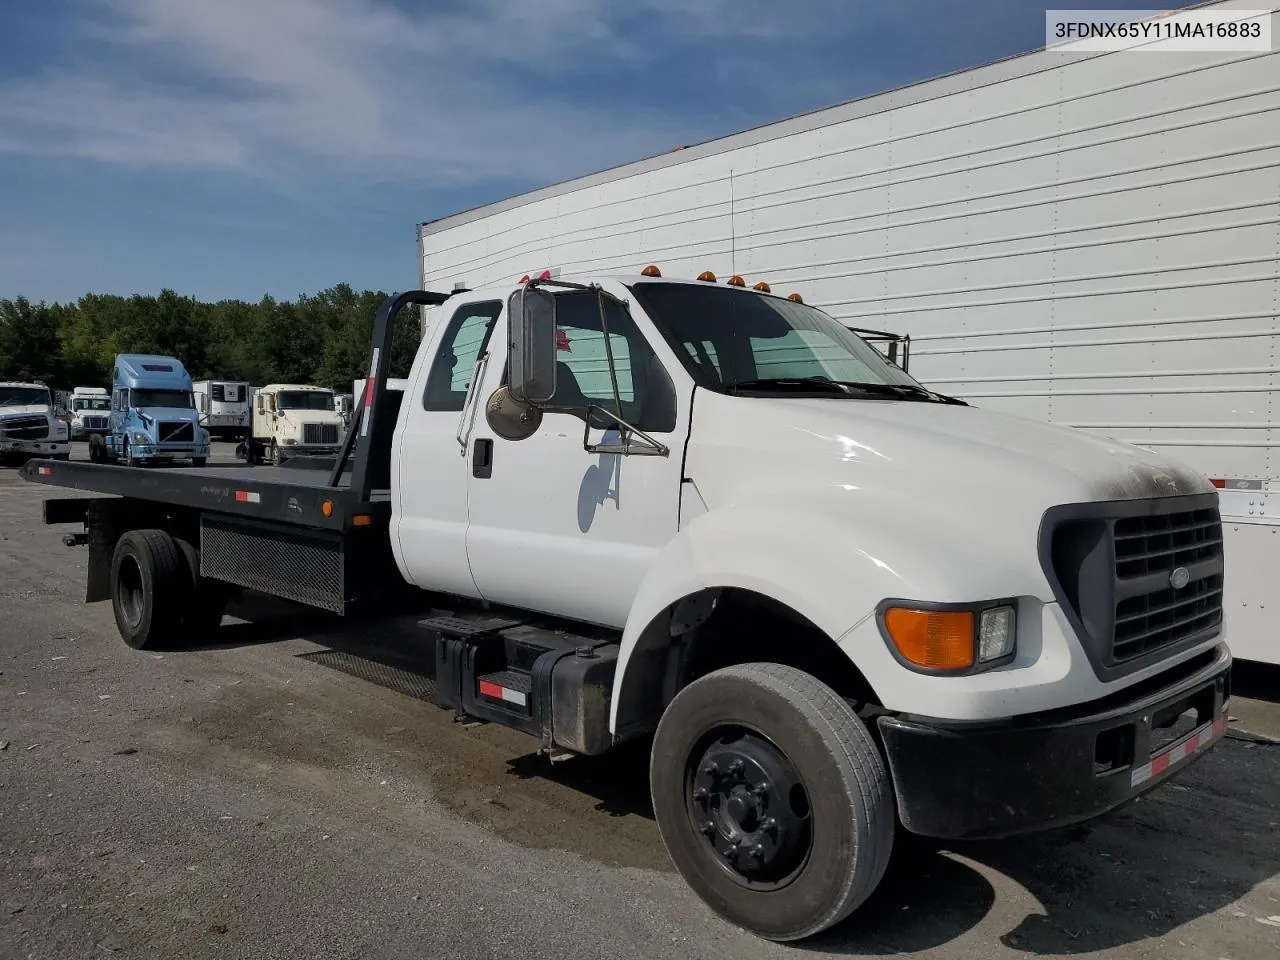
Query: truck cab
<point x="294" y="421"/>
<point x="90" y="409"/>
<point x="29" y="423"/>
<point x="153" y="417"/>
<point x="224" y="407"/>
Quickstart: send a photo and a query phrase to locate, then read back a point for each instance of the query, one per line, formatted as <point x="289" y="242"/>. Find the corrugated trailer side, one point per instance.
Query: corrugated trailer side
<point x="1088" y="239"/>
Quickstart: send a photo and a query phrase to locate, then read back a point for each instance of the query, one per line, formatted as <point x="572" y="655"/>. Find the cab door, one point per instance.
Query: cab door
<point x="553" y="527"/>
<point x="430" y="519"/>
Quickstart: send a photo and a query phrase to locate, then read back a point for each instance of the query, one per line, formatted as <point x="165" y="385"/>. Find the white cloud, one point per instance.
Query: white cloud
<point x="294" y="89"/>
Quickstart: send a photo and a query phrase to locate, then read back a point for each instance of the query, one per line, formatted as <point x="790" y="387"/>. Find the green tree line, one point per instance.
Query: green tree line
<point x="320" y="339"/>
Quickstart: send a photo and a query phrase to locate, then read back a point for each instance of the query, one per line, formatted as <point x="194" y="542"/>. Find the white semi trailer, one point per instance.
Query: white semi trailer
<point x="1087" y="239"/>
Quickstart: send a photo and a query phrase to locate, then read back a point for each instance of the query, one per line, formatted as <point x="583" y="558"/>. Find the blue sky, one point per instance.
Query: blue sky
<point x="233" y="148"/>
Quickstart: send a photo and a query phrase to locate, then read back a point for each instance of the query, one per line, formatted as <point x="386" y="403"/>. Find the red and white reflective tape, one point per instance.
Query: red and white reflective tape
<point x="497" y="692"/>
<point x="1172" y="756"/>
<point x="45" y="471"/>
<point x="247" y="496"/>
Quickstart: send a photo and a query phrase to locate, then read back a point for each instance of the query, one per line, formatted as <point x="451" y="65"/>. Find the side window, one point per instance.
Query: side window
<point x="464" y="340"/>
<point x="582" y="369"/>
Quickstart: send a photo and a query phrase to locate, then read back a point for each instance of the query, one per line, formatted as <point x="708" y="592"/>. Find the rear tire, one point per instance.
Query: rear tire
<point x="208" y="598"/>
<point x="150" y="589"/>
<point x="772" y="799"/>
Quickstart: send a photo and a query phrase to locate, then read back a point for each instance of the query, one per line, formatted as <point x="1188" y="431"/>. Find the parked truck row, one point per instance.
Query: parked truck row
<point x="839" y="603"/>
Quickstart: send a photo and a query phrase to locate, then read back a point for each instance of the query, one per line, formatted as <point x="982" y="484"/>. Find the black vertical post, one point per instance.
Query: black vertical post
<point x="371" y="469"/>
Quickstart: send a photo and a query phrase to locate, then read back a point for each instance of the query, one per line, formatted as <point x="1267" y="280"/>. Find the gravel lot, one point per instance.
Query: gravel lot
<point x="252" y="801"/>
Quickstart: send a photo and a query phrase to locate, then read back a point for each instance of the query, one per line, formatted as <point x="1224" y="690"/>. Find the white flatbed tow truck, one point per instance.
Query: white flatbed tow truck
<point x="839" y="602"/>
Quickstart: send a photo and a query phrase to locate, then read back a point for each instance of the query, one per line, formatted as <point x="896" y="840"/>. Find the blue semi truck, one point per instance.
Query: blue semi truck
<point x="153" y="414"/>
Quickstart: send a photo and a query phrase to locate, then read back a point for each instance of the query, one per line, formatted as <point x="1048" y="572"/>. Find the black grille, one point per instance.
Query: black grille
<point x="1139" y="579"/>
<point x="320" y="433"/>
<point x="25" y="428"/>
<point x="1161" y="543"/>
<point x="95" y="423"/>
<point x="175" y="431"/>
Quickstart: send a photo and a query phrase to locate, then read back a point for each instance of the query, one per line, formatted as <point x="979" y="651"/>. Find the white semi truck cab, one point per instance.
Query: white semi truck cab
<point x="292" y="421"/>
<point x="29" y="424"/>
<point x="90" y="409"/>
<point x="836" y="600"/>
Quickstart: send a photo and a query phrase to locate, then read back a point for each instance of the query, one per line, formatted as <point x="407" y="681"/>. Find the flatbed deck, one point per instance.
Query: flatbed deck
<point x="293" y="495"/>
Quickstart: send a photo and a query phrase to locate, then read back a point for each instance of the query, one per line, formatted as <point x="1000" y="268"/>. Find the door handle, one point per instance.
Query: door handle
<point x="482" y="459"/>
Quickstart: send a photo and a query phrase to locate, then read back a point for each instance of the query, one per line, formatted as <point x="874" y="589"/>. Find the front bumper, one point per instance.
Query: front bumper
<point x="168" y="451"/>
<point x="1025" y="774"/>
<point x="56" y="447"/>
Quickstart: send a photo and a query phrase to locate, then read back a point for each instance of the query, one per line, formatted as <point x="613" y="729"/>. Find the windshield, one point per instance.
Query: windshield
<point x="90" y="403"/>
<point x="24" y="397"/>
<point x="729" y="337"/>
<point x="162" y="398"/>
<point x="304" y="400"/>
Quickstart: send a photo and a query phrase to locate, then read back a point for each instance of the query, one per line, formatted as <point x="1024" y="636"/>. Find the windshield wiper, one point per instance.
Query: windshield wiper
<point x="904" y="390"/>
<point x="809" y="384"/>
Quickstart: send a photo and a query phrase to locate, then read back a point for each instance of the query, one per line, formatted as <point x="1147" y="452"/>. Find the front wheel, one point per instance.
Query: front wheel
<point x="772" y="799"/>
<point x="126" y="454"/>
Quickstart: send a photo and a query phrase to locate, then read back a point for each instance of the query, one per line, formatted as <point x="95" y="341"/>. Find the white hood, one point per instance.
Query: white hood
<point x="926" y="483"/>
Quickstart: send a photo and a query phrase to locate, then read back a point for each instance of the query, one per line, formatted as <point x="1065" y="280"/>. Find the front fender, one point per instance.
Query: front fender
<point x="833" y="566"/>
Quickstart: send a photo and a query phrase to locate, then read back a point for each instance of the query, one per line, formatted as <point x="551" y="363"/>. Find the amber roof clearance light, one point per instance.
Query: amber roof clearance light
<point x="651" y="271"/>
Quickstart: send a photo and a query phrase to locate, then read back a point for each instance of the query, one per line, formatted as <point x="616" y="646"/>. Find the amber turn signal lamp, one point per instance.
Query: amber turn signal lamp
<point x="933" y="639"/>
<point x="361" y="520"/>
<point x="327" y="508"/>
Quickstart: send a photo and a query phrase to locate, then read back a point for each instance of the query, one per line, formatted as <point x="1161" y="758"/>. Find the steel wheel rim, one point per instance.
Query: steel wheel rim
<point x="749" y="807"/>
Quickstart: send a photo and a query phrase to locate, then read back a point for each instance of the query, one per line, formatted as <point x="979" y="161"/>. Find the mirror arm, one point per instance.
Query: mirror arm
<point x="608" y="353"/>
<point x="625" y="448"/>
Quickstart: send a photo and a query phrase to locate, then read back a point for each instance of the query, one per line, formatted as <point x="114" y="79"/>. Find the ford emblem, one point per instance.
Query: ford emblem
<point x="1179" y="578"/>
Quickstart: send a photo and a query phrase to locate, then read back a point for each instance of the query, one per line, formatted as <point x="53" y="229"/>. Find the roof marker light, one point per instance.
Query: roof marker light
<point x="651" y="271"/>
<point x="706" y="276"/>
<point x="525" y="278"/>
<point x="762" y="287"/>
<point x="736" y="281"/>
<point x="796" y="297"/>
<point x="545" y="275"/>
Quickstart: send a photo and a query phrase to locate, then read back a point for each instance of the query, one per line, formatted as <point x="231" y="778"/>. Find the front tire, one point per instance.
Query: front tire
<point x="772" y="799"/>
<point x="150" y="588"/>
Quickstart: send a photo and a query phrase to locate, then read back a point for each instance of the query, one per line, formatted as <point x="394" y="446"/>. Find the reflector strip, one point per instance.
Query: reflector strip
<point x="1218" y="482"/>
<point x="45" y="471"/>
<point x="245" y="496"/>
<point x="488" y="689"/>
<point x="1172" y="756"/>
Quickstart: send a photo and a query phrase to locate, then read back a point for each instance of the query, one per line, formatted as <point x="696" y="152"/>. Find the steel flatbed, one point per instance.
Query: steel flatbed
<point x="293" y="495"/>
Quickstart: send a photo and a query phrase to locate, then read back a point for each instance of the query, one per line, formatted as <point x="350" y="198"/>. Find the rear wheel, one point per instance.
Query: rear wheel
<point x="150" y="589"/>
<point x="772" y="799"/>
<point x="208" y="598"/>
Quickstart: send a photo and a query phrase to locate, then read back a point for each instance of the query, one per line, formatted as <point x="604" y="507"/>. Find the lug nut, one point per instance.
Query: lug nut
<point x="737" y="766"/>
<point x="700" y="793"/>
<point x="708" y="827"/>
<point x="711" y="769"/>
<point x="760" y="789"/>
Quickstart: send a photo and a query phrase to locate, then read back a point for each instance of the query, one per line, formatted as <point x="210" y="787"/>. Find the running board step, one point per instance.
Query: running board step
<point x="554" y="685"/>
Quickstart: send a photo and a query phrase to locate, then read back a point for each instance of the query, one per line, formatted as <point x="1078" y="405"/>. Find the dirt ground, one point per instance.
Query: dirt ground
<point x="292" y="792"/>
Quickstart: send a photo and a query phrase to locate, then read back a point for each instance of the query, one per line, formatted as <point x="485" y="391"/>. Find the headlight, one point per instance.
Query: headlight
<point x="288" y="441"/>
<point x="949" y="638"/>
<point x="141" y="439"/>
